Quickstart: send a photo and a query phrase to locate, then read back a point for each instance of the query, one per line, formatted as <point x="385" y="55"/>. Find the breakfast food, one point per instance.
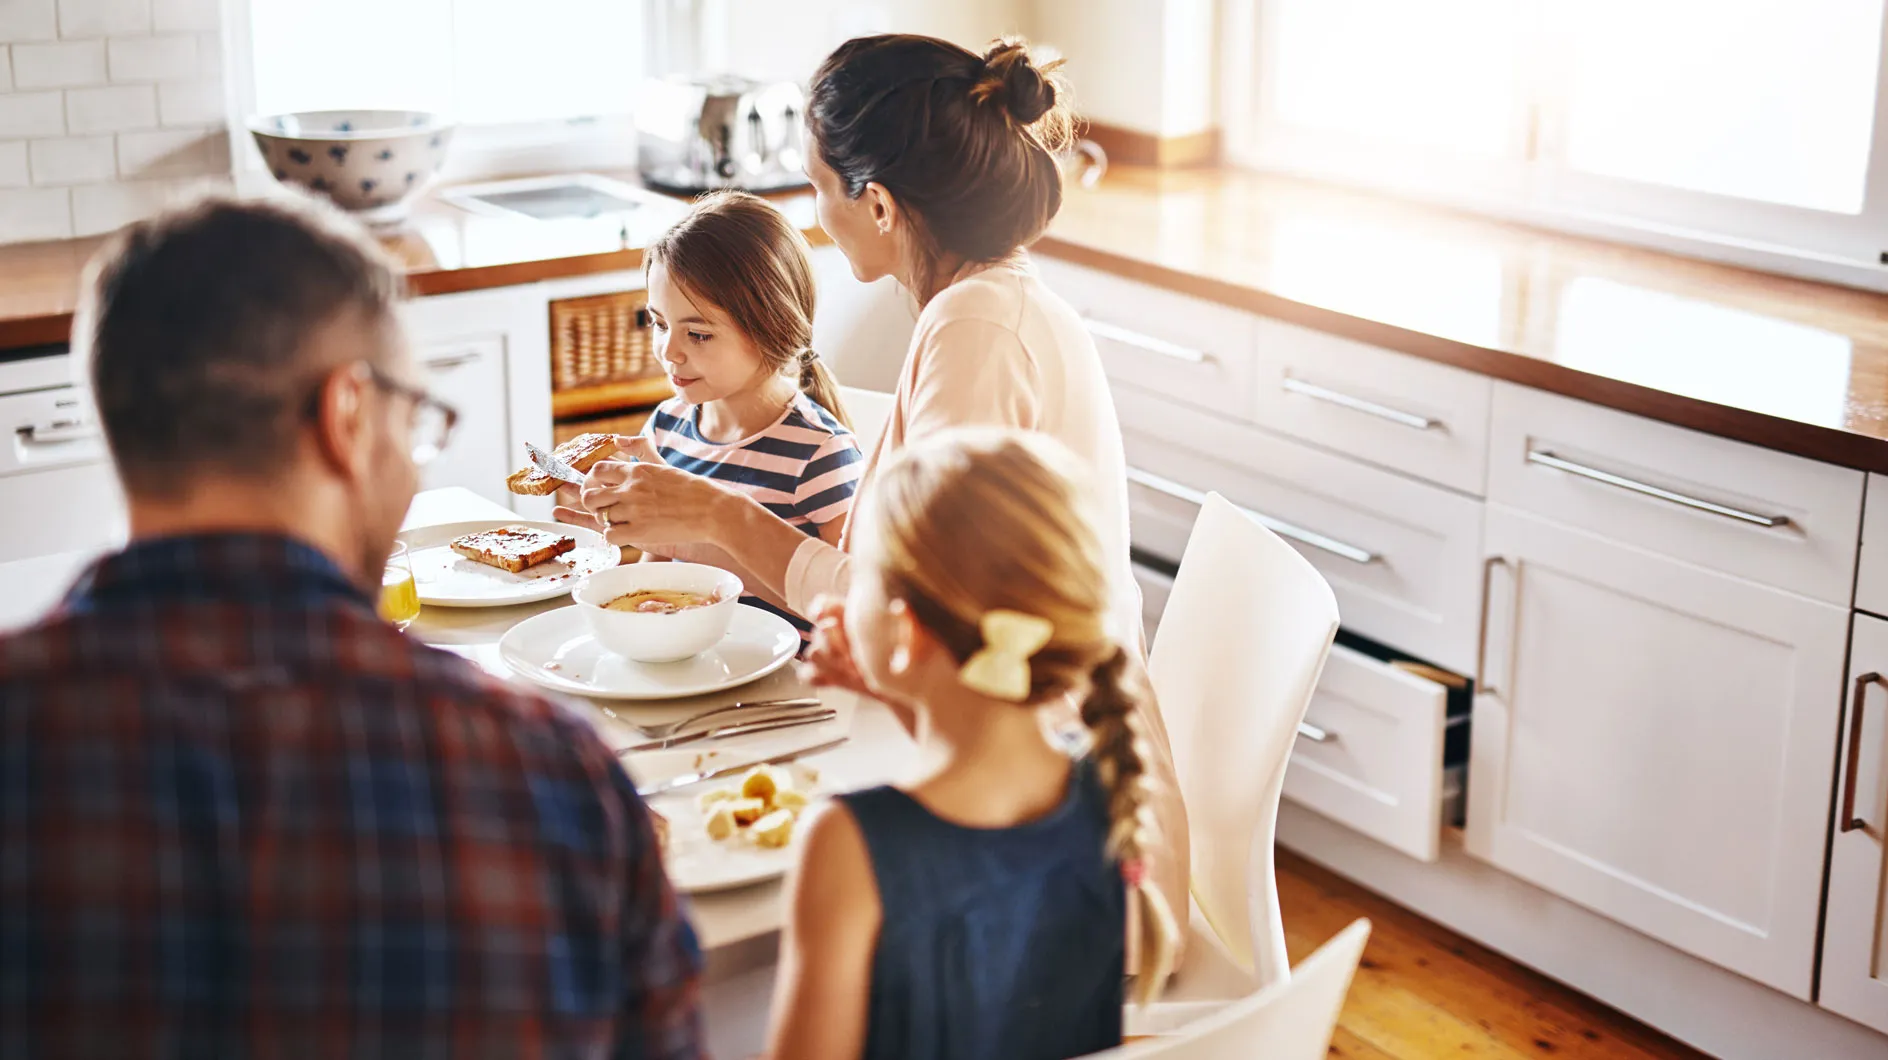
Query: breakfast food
<point x="762" y="808"/>
<point x="513" y="548"/>
<point x="661" y="601"/>
<point x="581" y="453"/>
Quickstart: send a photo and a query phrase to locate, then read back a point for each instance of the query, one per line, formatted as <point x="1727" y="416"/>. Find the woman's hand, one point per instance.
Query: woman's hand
<point x="829" y="662"/>
<point x="643" y="502"/>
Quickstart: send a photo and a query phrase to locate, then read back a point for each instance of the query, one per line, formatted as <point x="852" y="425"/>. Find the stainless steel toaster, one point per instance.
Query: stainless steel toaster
<point x="699" y="133"/>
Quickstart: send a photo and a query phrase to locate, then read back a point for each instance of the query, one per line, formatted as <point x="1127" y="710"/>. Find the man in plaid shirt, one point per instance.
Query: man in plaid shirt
<point x="239" y="814"/>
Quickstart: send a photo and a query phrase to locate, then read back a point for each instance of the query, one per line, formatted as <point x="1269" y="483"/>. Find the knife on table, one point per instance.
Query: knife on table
<point x="745" y="728"/>
<point x="552" y="466"/>
<point x="689" y="779"/>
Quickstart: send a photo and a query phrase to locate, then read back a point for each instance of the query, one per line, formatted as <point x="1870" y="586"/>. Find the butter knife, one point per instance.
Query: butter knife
<point x="745" y="728"/>
<point x="690" y="779"/>
<point x="550" y="465"/>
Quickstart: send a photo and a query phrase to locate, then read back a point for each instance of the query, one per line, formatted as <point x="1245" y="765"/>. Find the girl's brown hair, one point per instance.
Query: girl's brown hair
<point x="974" y="521"/>
<point x="740" y="254"/>
<point x="965" y="143"/>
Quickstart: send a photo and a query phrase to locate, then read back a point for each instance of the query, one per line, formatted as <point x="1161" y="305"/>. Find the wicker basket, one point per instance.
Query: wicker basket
<point x="627" y="423"/>
<point x="601" y="339"/>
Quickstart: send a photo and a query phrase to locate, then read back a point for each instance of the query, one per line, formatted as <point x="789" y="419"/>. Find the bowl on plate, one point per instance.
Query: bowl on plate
<point x="650" y="638"/>
<point x="370" y="162"/>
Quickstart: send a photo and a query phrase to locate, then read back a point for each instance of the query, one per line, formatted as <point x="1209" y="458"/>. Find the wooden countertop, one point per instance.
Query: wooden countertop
<point x="1788" y="364"/>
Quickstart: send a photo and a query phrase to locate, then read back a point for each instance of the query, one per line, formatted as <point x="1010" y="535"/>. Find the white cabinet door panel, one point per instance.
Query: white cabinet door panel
<point x="1655" y="741"/>
<point x="1855" y="930"/>
<point x="469" y="375"/>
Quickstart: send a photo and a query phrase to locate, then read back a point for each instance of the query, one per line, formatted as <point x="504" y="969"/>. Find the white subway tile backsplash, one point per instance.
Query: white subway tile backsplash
<point x="24" y="114"/>
<point x="210" y="54"/>
<point x="6" y="69"/>
<point x="197" y="102"/>
<point x="63" y="65"/>
<point x="120" y="107"/>
<point x="35" y="213"/>
<point x="100" y="208"/>
<point x="171" y="153"/>
<point x="102" y="18"/>
<point x="28" y="20"/>
<point x="169" y="15"/>
<point x="74" y="160"/>
<point x="13" y="172"/>
<point x="154" y="58"/>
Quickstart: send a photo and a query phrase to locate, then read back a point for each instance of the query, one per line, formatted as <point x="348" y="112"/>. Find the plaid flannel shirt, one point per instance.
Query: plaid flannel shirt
<point x="241" y="816"/>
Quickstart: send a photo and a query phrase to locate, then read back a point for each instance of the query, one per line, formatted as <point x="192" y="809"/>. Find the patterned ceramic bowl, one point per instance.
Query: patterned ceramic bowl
<point x="370" y="162"/>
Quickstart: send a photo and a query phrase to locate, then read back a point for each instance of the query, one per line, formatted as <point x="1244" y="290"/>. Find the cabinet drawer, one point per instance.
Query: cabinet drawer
<point x="1166" y="343"/>
<point x="1773" y="518"/>
<point x="1401" y="556"/>
<point x="1378" y="767"/>
<point x="1425" y="419"/>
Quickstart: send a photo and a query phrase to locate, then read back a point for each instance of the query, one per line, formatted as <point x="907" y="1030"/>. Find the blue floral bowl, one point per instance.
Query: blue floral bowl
<point x="370" y="162"/>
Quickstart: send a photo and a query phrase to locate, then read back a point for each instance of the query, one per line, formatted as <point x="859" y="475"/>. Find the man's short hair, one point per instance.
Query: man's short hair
<point x="198" y="324"/>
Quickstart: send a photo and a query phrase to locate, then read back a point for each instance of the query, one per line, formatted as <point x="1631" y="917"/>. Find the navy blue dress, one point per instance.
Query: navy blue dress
<point x="997" y="944"/>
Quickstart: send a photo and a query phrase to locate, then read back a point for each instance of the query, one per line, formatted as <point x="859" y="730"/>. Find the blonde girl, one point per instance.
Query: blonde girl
<point x="977" y="908"/>
<point x="731" y="301"/>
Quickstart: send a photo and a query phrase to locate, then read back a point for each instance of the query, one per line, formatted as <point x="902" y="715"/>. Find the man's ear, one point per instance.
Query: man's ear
<point x="340" y="423"/>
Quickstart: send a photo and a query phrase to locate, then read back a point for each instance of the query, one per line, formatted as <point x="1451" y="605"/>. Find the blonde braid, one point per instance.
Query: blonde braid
<point x="1120" y="764"/>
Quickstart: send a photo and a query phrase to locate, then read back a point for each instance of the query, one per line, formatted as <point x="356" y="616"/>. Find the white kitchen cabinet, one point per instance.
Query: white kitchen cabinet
<point x="469" y="375"/>
<point x="861" y="330"/>
<point x="487" y="353"/>
<point x="1655" y="740"/>
<point x="1855" y="931"/>
<point x="1370" y="752"/>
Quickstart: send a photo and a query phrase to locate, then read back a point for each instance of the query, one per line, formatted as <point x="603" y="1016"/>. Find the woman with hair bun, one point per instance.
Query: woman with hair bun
<point x="934" y="165"/>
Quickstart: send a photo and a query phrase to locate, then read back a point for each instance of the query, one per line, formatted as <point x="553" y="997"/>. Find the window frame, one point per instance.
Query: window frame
<point x="1544" y="192"/>
<point x="480" y="150"/>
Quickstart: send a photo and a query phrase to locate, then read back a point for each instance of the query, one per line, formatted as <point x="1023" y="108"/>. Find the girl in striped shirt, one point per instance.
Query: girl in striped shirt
<point x="731" y="300"/>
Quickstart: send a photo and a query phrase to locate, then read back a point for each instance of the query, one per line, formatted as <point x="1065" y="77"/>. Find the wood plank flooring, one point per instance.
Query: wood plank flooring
<point x="1424" y="992"/>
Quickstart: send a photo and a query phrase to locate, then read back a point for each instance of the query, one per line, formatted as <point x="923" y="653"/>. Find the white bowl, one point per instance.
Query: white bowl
<point x="659" y="638"/>
<point x="371" y="162"/>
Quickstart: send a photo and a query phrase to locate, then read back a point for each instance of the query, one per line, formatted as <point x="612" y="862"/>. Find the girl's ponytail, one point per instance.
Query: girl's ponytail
<point x="818" y="383"/>
<point x="1109" y="714"/>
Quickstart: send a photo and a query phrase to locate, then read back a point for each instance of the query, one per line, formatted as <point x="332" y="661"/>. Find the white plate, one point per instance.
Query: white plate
<point x="697" y="864"/>
<point x="555" y="650"/>
<point x="448" y="579"/>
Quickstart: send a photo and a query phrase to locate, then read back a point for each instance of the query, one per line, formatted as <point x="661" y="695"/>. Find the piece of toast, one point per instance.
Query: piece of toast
<point x="581" y="453"/>
<point x="513" y="548"/>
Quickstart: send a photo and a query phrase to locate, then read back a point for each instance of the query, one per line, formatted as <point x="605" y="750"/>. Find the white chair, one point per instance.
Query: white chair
<point x="1290" y="1020"/>
<point x="870" y="410"/>
<point x="1240" y="646"/>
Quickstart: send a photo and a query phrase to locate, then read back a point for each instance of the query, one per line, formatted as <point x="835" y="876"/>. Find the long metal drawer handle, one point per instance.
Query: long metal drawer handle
<point x="1545" y="458"/>
<point x="1482" y="687"/>
<point x="1311" y="732"/>
<point x="1112" y="333"/>
<point x="1357" y="404"/>
<point x="1283" y="529"/>
<point x="59" y="433"/>
<point x="1846" y="820"/>
<point x="454" y="360"/>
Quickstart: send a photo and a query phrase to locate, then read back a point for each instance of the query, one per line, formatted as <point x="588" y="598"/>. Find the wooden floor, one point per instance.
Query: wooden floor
<point x="1425" y="992"/>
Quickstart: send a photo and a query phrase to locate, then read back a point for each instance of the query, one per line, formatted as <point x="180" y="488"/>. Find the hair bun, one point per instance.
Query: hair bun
<point x="1015" y="82"/>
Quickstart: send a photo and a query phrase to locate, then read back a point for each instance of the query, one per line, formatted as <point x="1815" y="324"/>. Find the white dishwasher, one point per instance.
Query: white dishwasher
<point x="57" y="490"/>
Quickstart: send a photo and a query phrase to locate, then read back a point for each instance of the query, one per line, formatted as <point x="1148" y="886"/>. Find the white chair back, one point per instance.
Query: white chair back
<point x="870" y="410"/>
<point x="1290" y="1020"/>
<point x="1241" y="644"/>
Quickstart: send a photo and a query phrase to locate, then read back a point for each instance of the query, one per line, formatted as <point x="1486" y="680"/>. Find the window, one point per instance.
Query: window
<point x="509" y="71"/>
<point x="1740" y="127"/>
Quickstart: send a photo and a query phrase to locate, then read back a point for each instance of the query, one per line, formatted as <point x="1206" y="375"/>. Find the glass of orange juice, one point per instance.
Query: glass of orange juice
<point x="399" y="594"/>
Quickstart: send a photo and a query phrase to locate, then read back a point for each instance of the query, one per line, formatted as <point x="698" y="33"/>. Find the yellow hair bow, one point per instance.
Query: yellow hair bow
<point x="1000" y="669"/>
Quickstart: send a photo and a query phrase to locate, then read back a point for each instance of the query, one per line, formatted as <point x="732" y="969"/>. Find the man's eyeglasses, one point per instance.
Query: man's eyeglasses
<point x="433" y="419"/>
